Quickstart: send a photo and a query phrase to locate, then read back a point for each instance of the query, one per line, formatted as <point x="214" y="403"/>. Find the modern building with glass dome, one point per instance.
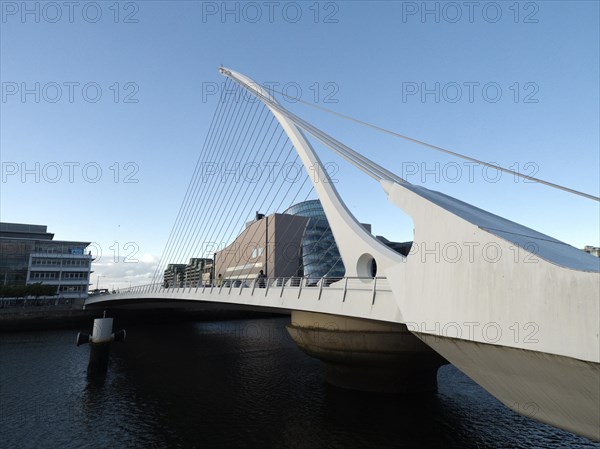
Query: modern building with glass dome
<point x="319" y="253"/>
<point x="295" y="243"/>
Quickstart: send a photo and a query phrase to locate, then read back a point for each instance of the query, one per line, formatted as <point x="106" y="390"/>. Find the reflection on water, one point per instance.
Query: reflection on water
<point x="232" y="384"/>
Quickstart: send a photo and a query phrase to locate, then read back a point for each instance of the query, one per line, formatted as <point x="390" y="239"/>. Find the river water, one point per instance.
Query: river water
<point x="228" y="384"/>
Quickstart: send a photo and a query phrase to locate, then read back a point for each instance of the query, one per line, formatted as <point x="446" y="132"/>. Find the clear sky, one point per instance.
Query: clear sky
<point x="105" y="107"/>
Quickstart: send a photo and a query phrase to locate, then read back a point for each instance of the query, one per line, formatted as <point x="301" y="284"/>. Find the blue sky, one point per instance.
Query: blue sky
<point x="533" y="72"/>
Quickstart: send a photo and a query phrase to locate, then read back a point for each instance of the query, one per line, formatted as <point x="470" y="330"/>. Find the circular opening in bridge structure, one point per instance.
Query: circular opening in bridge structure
<point x="366" y="267"/>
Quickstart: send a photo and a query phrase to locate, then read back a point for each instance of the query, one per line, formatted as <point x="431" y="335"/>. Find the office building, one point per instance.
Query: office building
<point x="30" y="255"/>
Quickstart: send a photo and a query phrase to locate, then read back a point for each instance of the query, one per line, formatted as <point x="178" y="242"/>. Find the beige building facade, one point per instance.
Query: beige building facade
<point x="271" y="244"/>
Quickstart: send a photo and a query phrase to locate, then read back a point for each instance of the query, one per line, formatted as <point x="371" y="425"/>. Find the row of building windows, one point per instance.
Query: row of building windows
<point x="58" y="249"/>
<point x="54" y="275"/>
<point x="44" y="275"/>
<point x="45" y="262"/>
<point x="75" y="275"/>
<point x="76" y="262"/>
<point x="57" y="262"/>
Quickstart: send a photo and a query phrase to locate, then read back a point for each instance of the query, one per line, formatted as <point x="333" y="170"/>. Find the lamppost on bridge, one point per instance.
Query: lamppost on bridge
<point x="98" y="281"/>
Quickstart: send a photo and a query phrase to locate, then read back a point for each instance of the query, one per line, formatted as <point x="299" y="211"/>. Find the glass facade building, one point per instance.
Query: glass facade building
<point x="29" y="255"/>
<point x="320" y="256"/>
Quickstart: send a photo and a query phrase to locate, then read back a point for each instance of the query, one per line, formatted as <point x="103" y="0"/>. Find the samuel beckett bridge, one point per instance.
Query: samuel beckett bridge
<point x="526" y="332"/>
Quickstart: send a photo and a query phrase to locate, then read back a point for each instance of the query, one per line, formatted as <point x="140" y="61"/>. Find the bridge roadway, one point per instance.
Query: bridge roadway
<point x="369" y="298"/>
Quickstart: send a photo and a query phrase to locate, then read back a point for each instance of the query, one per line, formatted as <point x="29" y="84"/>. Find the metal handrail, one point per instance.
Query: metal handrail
<point x="297" y="283"/>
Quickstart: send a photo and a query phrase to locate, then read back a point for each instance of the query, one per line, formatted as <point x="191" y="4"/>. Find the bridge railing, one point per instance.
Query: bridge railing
<point x="263" y="286"/>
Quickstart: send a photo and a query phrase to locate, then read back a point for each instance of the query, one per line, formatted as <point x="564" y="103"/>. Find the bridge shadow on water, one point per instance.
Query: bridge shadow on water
<point x="244" y="383"/>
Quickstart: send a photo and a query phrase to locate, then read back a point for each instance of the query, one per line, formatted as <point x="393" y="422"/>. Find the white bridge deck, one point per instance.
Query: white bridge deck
<point x="369" y="298"/>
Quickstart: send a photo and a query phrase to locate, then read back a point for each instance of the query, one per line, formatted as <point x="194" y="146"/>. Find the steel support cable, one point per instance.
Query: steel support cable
<point x="225" y="238"/>
<point x="285" y="196"/>
<point x="231" y="115"/>
<point x="199" y="229"/>
<point x="259" y="195"/>
<point x="189" y="207"/>
<point x="228" y="232"/>
<point x="283" y="199"/>
<point x="384" y="177"/>
<point x="231" y="131"/>
<point x="211" y="238"/>
<point x="204" y="218"/>
<point x="368" y="166"/>
<point x="265" y="197"/>
<point x="227" y="214"/>
<point x="216" y="136"/>
<point x="373" y="169"/>
<point x="214" y="232"/>
<point x="237" y="257"/>
<point x="357" y="161"/>
<point x="327" y="141"/>
<point x="274" y="196"/>
<point x="279" y="147"/>
<point x="213" y="124"/>
<point x="277" y="209"/>
<point x="217" y="112"/>
<point x="228" y="247"/>
<point x="205" y="209"/>
<point x="331" y="245"/>
<point x="444" y="150"/>
<point x="251" y="193"/>
<point x="284" y="230"/>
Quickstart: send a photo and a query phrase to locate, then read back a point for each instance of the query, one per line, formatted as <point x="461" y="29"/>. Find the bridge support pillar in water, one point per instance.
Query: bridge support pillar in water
<point x="367" y="355"/>
<point x="99" y="341"/>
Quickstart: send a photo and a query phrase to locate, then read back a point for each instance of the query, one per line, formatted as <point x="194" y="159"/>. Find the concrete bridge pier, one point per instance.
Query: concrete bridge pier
<point x="102" y="336"/>
<point x="367" y="355"/>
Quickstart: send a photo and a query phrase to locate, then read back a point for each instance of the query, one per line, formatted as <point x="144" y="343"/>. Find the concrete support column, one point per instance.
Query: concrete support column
<point x="367" y="355"/>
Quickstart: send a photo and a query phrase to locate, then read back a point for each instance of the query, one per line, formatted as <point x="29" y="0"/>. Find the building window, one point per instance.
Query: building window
<point x="44" y="275"/>
<point x="75" y="275"/>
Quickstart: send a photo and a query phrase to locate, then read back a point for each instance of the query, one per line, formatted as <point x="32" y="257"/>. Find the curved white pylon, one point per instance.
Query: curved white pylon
<point x="357" y="246"/>
<point x="522" y="321"/>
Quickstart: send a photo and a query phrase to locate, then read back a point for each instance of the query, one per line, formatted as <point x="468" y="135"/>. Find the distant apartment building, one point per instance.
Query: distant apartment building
<point x="593" y="250"/>
<point x="174" y="275"/>
<point x="199" y="271"/>
<point x="29" y="255"/>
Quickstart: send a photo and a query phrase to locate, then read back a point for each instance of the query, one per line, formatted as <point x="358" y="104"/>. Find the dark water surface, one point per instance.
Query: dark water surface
<point x="227" y="384"/>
